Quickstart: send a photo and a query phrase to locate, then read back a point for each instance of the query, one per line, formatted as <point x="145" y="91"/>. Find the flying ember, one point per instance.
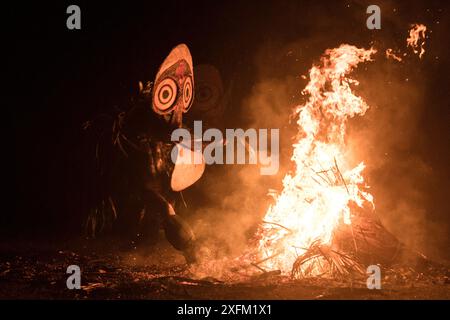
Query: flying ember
<point x="416" y="38"/>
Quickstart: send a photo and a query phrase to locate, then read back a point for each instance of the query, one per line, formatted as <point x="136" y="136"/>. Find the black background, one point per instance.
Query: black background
<point x="63" y="77"/>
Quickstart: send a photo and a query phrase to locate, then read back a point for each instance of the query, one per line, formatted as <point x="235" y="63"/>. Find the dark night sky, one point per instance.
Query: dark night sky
<point x="65" y="77"/>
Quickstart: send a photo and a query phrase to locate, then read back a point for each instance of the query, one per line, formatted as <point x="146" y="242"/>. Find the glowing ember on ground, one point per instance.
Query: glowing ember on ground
<point x="316" y="196"/>
<point x="416" y="38"/>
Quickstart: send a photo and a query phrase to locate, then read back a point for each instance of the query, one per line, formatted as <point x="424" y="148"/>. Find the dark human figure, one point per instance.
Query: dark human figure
<point x="133" y="184"/>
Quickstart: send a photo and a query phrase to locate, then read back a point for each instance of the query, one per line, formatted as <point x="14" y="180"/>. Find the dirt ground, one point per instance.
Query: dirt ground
<point x="38" y="271"/>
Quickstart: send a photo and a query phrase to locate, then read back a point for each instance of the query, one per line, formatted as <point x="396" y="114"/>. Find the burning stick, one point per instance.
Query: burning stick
<point x="268" y="258"/>
<point x="340" y="175"/>
<point x="255" y="264"/>
<point x="327" y="181"/>
<point x="278" y="225"/>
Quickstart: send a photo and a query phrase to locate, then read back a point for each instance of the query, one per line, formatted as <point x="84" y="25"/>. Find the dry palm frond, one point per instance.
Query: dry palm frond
<point x="319" y="260"/>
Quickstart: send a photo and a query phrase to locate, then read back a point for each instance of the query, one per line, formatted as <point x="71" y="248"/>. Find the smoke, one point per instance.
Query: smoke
<point x="388" y="138"/>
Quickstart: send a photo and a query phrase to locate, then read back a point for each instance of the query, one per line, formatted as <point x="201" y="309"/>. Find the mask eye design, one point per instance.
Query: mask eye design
<point x="165" y="95"/>
<point x="174" y="84"/>
<point x="188" y="94"/>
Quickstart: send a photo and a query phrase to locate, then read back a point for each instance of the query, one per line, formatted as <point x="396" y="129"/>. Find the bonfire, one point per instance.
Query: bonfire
<point x="323" y="222"/>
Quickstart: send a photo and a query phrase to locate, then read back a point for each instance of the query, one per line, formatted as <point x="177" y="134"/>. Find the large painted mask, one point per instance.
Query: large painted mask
<point x="173" y="89"/>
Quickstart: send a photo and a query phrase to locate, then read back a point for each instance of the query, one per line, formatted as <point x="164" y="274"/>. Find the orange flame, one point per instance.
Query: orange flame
<point x="390" y="54"/>
<point x="416" y="34"/>
<point x="316" y="196"/>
